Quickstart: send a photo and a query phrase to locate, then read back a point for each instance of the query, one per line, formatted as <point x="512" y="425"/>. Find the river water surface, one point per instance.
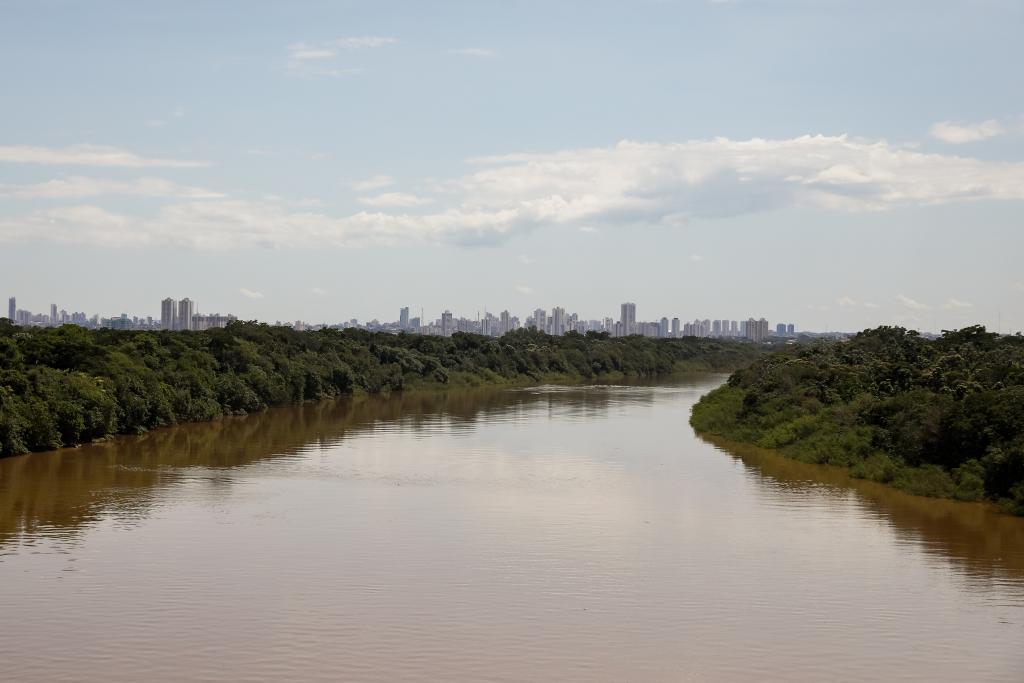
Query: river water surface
<point x="551" y="533"/>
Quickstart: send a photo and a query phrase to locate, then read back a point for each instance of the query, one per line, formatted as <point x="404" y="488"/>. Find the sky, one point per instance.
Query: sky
<point x="837" y="164"/>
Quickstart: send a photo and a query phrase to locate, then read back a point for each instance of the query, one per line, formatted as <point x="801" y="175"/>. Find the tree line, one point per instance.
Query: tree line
<point x="69" y="385"/>
<point x="941" y="417"/>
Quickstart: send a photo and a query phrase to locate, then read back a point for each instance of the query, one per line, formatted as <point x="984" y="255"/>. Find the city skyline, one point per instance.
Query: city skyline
<point x="297" y="161"/>
<point x="184" y="315"/>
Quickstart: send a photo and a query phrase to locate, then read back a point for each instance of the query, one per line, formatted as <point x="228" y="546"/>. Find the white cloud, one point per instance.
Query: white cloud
<point x="80" y="187"/>
<point x="88" y="155"/>
<point x="961" y="133"/>
<point x="868" y="304"/>
<point x="525" y="260"/>
<point x="400" y="200"/>
<point x="523" y="289"/>
<point x="302" y="52"/>
<point x="696" y="258"/>
<point x="911" y="303"/>
<point x="319" y="60"/>
<point x="1018" y="286"/>
<point x="250" y="293"/>
<point x="472" y="52"/>
<point x="957" y="303"/>
<point x="358" y="42"/>
<point x="846" y="302"/>
<point x="375" y="183"/>
<point x="317" y="291"/>
<point x="630" y="185"/>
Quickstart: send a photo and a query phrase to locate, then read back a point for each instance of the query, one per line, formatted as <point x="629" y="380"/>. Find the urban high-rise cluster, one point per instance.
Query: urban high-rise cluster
<point x="174" y="315"/>
<point x="183" y="315"/>
<point x="558" y="321"/>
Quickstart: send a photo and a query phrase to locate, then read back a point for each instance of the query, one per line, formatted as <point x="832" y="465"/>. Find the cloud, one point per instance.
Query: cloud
<point x="523" y="289"/>
<point x="1018" y="286"/>
<point x="395" y="200"/>
<point x="250" y="293"/>
<point x="850" y="302"/>
<point x="301" y="52"/>
<point x="88" y="155"/>
<point x="359" y="42"/>
<point x="957" y="303"/>
<point x="525" y="260"/>
<point x="696" y="258"/>
<point x="472" y="52"/>
<point x="911" y="303"/>
<point x="80" y="187"/>
<point x="319" y="60"/>
<point x="375" y="183"/>
<point x="958" y="134"/>
<point x="317" y="291"/>
<point x="628" y="185"/>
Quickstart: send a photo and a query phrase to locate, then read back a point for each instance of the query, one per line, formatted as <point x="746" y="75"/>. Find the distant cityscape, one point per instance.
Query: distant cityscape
<point x="184" y="315"/>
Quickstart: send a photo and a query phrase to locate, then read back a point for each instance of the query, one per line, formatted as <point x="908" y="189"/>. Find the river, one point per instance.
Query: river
<point x="548" y="533"/>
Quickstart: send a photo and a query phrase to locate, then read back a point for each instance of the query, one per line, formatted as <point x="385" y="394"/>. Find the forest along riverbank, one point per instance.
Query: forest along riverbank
<point x="569" y="532"/>
<point x="67" y="386"/>
<point x="941" y="417"/>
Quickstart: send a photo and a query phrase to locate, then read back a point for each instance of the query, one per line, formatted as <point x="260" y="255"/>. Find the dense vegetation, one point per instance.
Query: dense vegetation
<point x="941" y="417"/>
<point x="68" y="385"/>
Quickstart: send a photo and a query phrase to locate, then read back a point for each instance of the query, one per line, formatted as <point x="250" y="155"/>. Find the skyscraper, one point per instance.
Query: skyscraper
<point x="557" y="320"/>
<point x="446" y="324"/>
<point x="53" y="314"/>
<point x="540" y="320"/>
<point x="186" y="309"/>
<point x="675" y="327"/>
<point x="403" y="318"/>
<point x="168" y="314"/>
<point x="628" y="318"/>
<point x="506" y="323"/>
<point x="12" y="309"/>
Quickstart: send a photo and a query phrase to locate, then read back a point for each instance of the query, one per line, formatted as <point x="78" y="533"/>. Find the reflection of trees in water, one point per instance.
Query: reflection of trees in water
<point x="982" y="540"/>
<point x="56" y="493"/>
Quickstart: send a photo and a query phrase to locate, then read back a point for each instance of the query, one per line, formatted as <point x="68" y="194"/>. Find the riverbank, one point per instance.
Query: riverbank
<point x="942" y="418"/>
<point x="67" y="386"/>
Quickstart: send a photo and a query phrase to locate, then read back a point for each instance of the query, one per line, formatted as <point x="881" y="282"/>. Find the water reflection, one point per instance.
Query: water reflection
<point x="54" y="494"/>
<point x="979" y="536"/>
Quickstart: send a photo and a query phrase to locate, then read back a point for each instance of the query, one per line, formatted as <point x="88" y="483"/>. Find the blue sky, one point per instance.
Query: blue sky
<point x="835" y="163"/>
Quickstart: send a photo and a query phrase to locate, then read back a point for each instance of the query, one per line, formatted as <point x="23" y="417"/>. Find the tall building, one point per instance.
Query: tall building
<point x="168" y="314"/>
<point x="557" y="321"/>
<point x="186" y="309"/>
<point x="791" y="329"/>
<point x="663" y="327"/>
<point x="447" y="326"/>
<point x="506" y="323"/>
<point x="540" y="320"/>
<point x="627" y="317"/>
<point x="403" y="318"/>
<point x="675" y="327"/>
<point x="53" y="314"/>
<point x="12" y="309"/>
<point x="757" y="330"/>
<point x="780" y="329"/>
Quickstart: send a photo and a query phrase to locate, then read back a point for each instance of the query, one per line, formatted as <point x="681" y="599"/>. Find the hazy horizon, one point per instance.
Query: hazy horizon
<point x="834" y="164"/>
